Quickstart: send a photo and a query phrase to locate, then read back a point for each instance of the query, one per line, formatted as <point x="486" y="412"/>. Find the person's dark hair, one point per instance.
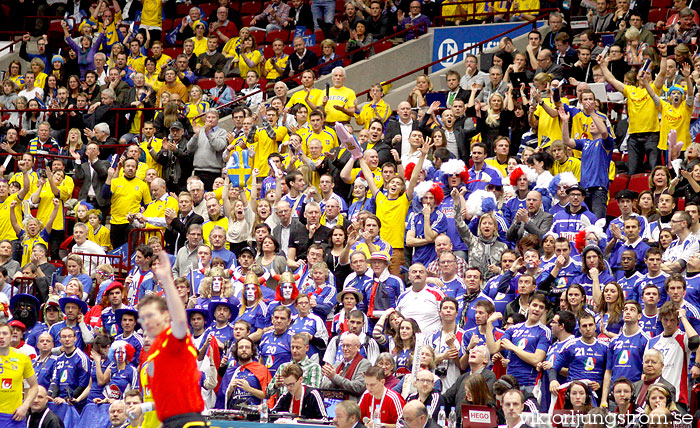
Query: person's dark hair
<point x="567" y="320"/>
<point x="675" y="277"/>
<point x="291" y="177"/>
<point x="145" y="250"/>
<point x="543" y="157"/>
<point x="477" y="386"/>
<point x="540" y="297"/>
<point x="442" y="153"/>
<point x="518" y="318"/>
<point x="487" y="305"/>
<point x="590" y="35"/>
<point x="453" y="301"/>
<point x="234" y="350"/>
<point x="504" y="384"/>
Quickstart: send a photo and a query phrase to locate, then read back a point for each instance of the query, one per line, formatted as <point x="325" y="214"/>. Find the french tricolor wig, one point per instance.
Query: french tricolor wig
<point x="432" y="187"/>
<point x="408" y="169"/>
<point x="521" y="170"/>
<point x="456" y="166"/>
<point x="481" y="202"/>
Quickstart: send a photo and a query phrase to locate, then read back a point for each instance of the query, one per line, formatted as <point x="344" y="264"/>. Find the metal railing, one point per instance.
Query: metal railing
<point x="68" y="116"/>
<point x="318" y="67"/>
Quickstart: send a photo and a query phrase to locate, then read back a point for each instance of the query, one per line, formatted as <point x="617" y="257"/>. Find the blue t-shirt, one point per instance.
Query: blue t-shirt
<point x="276" y="350"/>
<point x="70" y="372"/>
<point x="583" y="360"/>
<point x="651" y="325"/>
<point x="447" y="209"/>
<point x="625" y="355"/>
<point x="658" y="281"/>
<point x="257" y="316"/>
<point x="629" y="285"/>
<point x="529" y="339"/>
<point x="438" y="222"/>
<point x="595" y="161"/>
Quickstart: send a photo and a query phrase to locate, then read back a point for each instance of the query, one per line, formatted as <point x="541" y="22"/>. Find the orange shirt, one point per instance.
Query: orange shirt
<point x="172" y="367"/>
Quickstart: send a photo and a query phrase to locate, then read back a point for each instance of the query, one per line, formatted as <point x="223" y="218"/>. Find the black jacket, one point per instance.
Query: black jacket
<point x="97" y="180"/>
<point x="296" y="65"/>
<point x="50" y="420"/>
<point x="176" y="233"/>
<point x="393" y="129"/>
<point x="312" y="406"/>
<point x="305" y="19"/>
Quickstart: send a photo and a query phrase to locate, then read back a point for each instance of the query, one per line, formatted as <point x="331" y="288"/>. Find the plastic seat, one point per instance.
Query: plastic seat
<point x="251" y="7"/>
<point x="236" y="83"/>
<point x="259" y="36"/>
<point x="680" y="204"/>
<point x="656" y="15"/>
<point x="277" y="34"/>
<point x="639" y="182"/>
<point x="613" y="209"/>
<point x="172" y="52"/>
<point x="661" y="4"/>
<point x="618" y="184"/>
<point x="207" y="83"/>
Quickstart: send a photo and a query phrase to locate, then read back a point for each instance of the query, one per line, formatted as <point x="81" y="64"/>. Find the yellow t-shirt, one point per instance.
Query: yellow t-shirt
<point x="200" y="45"/>
<point x="157" y="209"/>
<point x="571" y="165"/>
<point x="501" y="167"/>
<point x="16" y="367"/>
<point x="40" y="80"/>
<point x="376" y="174"/>
<point x="209" y="225"/>
<point x="101" y="238"/>
<point x="264" y="146"/>
<point x="675" y="118"/>
<point x="270" y="72"/>
<point x="194" y="110"/>
<point x="152" y="13"/>
<point x="127" y="197"/>
<point x="549" y="128"/>
<point x="450" y="12"/>
<point x="6" y="230"/>
<point x="153" y="82"/>
<point x="46" y="202"/>
<point x="641" y="110"/>
<point x="138" y="63"/>
<point x="28" y="243"/>
<point x="392" y="213"/>
<point x="160" y="62"/>
<point x="157" y="144"/>
<point x="254" y="56"/>
<point x="299" y="97"/>
<point x="327" y="137"/>
<point x="150" y="419"/>
<point x="33" y="180"/>
<point x="381" y="110"/>
<point x="343" y="96"/>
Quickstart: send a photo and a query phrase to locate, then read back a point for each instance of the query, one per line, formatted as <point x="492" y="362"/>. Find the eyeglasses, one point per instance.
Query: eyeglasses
<point x="425" y="381"/>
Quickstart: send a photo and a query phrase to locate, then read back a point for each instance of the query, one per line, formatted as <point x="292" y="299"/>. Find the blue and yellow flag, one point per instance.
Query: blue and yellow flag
<point x="238" y="168"/>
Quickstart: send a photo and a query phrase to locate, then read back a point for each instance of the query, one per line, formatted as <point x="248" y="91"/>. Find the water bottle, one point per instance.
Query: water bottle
<point x="441" y="416"/>
<point x="452" y="420"/>
<point x="264" y="414"/>
<point x="377" y="417"/>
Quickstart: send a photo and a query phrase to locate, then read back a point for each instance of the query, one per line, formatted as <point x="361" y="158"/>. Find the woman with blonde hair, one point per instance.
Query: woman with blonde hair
<point x="37" y="66"/>
<point x="407" y="384"/>
<point x="548" y="122"/>
<point x="484" y="248"/>
<point x="634" y="53"/>
<point x="196" y="106"/>
<point x="658" y="396"/>
<point x="253" y="309"/>
<point x="233" y="46"/>
<point x="497" y="119"/>
<point x="328" y="58"/>
<point x="76" y="269"/>
<point x="417" y="96"/>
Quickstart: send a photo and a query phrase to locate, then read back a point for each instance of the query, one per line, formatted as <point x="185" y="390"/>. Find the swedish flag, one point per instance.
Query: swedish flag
<point x="238" y="168"/>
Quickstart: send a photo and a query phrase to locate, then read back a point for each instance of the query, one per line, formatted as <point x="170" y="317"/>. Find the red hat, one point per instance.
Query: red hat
<point x="113" y="285"/>
<point x="17" y="323"/>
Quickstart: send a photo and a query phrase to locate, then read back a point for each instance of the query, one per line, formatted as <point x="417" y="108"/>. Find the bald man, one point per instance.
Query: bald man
<point x="416" y="416"/>
<point x="398" y="131"/>
<point x="40" y="416"/>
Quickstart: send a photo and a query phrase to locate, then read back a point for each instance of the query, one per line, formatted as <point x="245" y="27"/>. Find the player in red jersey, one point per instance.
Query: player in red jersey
<point x="171" y="363"/>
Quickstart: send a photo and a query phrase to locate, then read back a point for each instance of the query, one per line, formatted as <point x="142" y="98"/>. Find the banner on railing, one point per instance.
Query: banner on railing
<point x="449" y="40"/>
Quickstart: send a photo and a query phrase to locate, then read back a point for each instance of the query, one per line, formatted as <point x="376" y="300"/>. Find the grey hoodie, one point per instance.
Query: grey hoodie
<point x="208" y="149"/>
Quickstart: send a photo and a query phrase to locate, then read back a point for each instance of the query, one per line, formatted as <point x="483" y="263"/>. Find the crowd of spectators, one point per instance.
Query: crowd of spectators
<point x="477" y="249"/>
